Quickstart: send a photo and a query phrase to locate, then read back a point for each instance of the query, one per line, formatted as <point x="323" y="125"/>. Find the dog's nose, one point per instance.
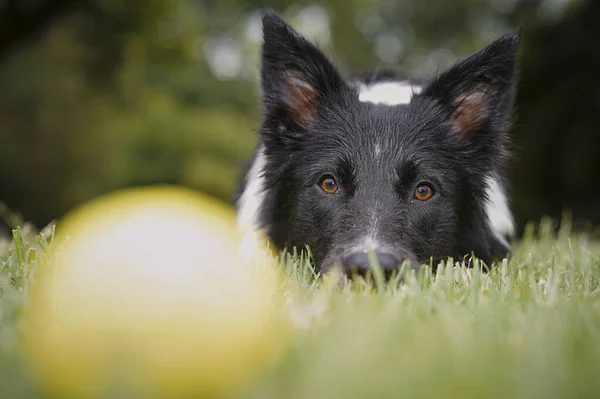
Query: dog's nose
<point x="358" y="262"/>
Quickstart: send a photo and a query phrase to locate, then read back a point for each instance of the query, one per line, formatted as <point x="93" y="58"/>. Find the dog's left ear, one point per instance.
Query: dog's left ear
<point x="478" y="92"/>
<point x="296" y="76"/>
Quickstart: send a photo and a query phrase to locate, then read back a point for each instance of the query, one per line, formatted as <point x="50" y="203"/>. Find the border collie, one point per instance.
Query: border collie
<point x="412" y="170"/>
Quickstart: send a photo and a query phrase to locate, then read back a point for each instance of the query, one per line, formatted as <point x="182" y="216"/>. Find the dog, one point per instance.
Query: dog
<point x="412" y="170"/>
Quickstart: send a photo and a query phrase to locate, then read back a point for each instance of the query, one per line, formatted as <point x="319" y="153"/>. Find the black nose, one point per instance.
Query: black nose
<point x="358" y="262"/>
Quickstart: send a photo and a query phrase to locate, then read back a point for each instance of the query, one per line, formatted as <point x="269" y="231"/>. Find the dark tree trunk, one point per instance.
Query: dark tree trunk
<point x="20" y="20"/>
<point x="557" y="135"/>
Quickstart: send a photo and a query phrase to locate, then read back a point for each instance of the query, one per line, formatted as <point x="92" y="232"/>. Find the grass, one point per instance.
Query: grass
<point x="530" y="328"/>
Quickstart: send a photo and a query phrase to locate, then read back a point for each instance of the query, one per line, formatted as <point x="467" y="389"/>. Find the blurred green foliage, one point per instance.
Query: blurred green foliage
<point x="115" y="93"/>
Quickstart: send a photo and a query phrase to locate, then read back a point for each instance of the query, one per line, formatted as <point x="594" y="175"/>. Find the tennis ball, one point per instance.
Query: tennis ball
<point x="148" y="295"/>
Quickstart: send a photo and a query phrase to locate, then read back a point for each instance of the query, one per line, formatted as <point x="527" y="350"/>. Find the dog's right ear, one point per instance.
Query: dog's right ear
<point x="296" y="77"/>
<point x="478" y="92"/>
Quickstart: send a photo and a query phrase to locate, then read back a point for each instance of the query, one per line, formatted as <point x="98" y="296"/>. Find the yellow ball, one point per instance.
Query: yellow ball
<point x="149" y="294"/>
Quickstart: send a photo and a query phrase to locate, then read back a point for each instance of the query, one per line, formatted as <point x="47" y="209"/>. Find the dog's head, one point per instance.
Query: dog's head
<point x="413" y="172"/>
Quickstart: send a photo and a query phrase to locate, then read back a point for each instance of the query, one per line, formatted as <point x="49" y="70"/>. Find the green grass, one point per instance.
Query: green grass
<point x="530" y="328"/>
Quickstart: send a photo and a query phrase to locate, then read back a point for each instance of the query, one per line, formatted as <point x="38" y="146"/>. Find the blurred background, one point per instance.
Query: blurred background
<point x="101" y="94"/>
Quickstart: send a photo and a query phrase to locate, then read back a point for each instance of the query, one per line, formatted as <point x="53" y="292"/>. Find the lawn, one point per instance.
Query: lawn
<point x="530" y="328"/>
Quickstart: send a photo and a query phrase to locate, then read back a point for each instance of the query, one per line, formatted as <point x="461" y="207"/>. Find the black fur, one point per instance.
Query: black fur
<point x="451" y="136"/>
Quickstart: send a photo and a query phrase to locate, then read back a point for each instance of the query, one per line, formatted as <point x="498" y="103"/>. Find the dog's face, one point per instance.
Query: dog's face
<point x="379" y="177"/>
<point x="409" y="177"/>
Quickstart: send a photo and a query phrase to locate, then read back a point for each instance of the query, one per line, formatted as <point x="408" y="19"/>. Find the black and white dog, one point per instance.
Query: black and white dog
<point x="414" y="171"/>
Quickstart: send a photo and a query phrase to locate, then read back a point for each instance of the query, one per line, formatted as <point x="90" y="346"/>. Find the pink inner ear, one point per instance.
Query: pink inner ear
<point x="470" y="112"/>
<point x="300" y="98"/>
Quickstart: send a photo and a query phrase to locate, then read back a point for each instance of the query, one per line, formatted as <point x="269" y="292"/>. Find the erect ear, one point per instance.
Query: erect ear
<point x="296" y="76"/>
<point x="478" y="92"/>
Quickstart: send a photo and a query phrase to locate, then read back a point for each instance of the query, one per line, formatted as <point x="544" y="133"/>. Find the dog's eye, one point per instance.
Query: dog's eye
<point x="329" y="185"/>
<point x="423" y="192"/>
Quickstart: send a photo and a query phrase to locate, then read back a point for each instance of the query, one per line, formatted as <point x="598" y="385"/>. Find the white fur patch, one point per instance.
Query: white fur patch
<point x="388" y="93"/>
<point x="499" y="216"/>
<point x="252" y="198"/>
<point x="377" y="150"/>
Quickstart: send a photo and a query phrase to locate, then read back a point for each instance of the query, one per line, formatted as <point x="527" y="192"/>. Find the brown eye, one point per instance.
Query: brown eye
<point x="329" y="185"/>
<point x="423" y="192"/>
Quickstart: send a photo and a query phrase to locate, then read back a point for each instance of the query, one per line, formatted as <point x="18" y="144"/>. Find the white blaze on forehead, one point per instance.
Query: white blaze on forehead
<point x="496" y="207"/>
<point x="251" y="200"/>
<point x="377" y="149"/>
<point x="388" y="93"/>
